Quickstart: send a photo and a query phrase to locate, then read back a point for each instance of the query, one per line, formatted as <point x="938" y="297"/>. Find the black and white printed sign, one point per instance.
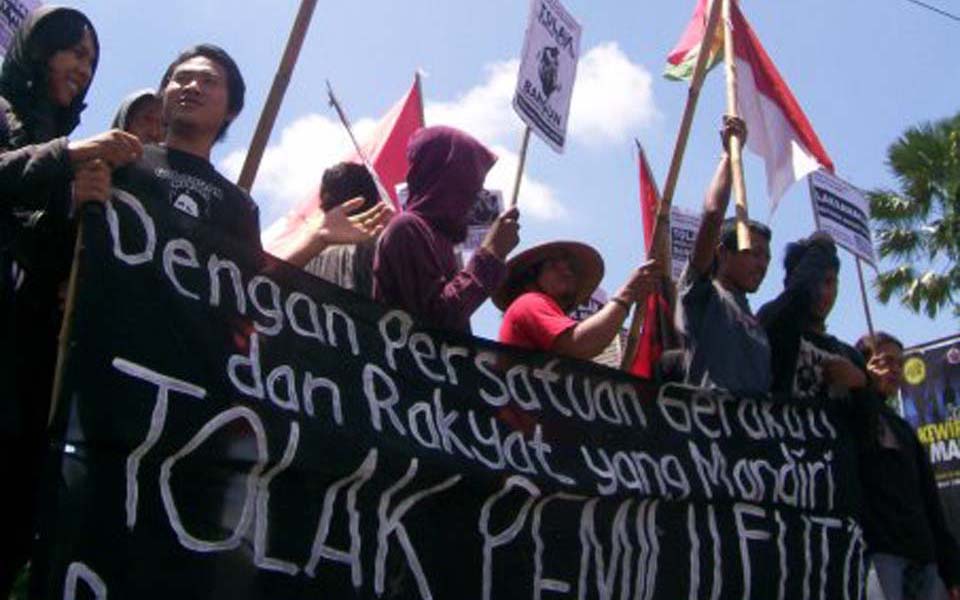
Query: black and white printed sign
<point x="683" y="234"/>
<point x="548" y="70"/>
<point x="12" y="13"/>
<point x="841" y="210"/>
<point x="231" y="427"/>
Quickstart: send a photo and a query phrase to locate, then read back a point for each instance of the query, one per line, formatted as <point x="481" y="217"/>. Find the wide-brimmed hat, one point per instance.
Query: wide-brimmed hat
<point x="586" y="263"/>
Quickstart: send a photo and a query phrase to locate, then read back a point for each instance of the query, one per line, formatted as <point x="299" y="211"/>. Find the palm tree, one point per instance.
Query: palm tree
<point x="918" y="226"/>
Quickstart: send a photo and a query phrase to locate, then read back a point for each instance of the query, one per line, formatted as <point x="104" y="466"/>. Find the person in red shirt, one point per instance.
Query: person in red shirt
<point x="546" y="282"/>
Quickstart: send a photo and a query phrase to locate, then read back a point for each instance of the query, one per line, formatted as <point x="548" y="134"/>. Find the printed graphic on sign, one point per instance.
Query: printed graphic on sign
<point x="841" y="210"/>
<point x="488" y="207"/>
<point x="12" y="13"/>
<point x="548" y="70"/>
<point x="930" y="404"/>
<point x="683" y="233"/>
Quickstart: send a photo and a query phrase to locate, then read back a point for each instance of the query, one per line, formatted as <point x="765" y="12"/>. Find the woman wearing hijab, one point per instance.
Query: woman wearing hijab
<point x="44" y="177"/>
<point x="415" y="267"/>
<point x="139" y="114"/>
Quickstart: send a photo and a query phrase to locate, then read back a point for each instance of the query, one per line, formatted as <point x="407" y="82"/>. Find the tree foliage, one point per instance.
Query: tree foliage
<point x="917" y="226"/>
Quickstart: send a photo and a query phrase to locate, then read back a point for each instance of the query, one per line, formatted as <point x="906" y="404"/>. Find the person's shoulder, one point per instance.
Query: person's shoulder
<point x="403" y="225"/>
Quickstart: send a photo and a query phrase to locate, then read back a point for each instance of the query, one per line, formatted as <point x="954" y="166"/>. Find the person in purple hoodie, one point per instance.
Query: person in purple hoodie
<point x="415" y="267"/>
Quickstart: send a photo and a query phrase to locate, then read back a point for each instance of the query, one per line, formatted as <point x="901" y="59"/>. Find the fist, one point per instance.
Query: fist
<point x="91" y="183"/>
<point x="504" y="234"/>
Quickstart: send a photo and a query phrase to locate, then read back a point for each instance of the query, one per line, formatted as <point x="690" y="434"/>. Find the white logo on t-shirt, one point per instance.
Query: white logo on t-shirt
<point x="187" y="204"/>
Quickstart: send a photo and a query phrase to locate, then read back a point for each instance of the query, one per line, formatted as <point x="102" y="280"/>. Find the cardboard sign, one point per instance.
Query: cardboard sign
<point x="842" y="211"/>
<point x="683" y="233"/>
<point x="548" y="70"/>
<point x="12" y="14"/>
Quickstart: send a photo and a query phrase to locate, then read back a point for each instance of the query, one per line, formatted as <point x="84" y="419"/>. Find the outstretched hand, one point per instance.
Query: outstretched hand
<point x="337" y="226"/>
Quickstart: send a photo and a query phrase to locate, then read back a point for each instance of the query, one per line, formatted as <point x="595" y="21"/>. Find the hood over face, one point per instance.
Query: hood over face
<point x="122" y="118"/>
<point x="447" y="169"/>
<point x="23" y="78"/>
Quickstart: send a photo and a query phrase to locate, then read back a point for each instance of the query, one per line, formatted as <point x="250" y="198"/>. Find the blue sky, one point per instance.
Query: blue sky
<point x="863" y="70"/>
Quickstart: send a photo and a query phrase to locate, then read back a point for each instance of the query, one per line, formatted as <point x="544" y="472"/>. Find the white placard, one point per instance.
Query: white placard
<point x="683" y="233"/>
<point x="485" y="211"/>
<point x="548" y="69"/>
<point x="12" y="13"/>
<point x="842" y="210"/>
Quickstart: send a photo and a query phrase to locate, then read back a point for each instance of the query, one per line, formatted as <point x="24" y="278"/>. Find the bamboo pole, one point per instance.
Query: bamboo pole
<point x="660" y="245"/>
<point x="272" y="106"/>
<point x="736" y="144"/>
<point x="866" y="302"/>
<point x="524" y="144"/>
<point x="66" y="325"/>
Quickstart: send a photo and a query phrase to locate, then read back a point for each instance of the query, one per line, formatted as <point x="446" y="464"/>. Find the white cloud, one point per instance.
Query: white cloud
<point x="613" y="97"/>
<point x="612" y="100"/>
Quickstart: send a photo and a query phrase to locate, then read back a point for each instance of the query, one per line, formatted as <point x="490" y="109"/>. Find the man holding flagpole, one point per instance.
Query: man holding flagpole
<point x="724" y="344"/>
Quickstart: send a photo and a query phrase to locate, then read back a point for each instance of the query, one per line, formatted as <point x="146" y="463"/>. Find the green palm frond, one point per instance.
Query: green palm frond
<point x="918" y="225"/>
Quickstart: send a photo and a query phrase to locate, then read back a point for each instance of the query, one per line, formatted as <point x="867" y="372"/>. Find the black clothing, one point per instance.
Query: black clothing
<point x="201" y="196"/>
<point x="901" y="513"/>
<point x="36" y="244"/>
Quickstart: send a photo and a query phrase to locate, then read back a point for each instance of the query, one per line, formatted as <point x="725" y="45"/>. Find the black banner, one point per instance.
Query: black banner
<point x="230" y="427"/>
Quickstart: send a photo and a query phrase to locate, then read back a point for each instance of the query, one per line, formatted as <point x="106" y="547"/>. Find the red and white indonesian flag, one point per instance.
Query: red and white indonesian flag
<point x="385" y="149"/>
<point x="777" y="129"/>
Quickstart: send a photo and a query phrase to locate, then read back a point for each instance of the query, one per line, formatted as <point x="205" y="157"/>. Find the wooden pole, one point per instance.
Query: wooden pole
<point x="866" y="302"/>
<point x="272" y="106"/>
<point x="66" y="326"/>
<point x="661" y="233"/>
<point x="416" y="79"/>
<point x="736" y="144"/>
<point x="523" y="161"/>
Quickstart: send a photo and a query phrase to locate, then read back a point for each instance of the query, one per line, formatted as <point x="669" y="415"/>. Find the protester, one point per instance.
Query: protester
<point x="202" y="92"/>
<point x="807" y="361"/>
<point x="44" y="177"/>
<point x="907" y="537"/>
<point x="140" y="114"/>
<point x="546" y="282"/>
<point x="415" y="267"/>
<point x="724" y="345"/>
<point x="349" y="265"/>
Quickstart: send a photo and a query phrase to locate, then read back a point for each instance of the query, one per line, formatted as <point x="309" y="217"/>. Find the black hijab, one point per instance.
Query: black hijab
<point x="23" y="78"/>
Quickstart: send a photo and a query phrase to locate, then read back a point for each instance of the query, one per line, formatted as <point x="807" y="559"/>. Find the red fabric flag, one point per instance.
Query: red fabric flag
<point x="778" y="131"/>
<point x="386" y="149"/>
<point x="657" y="315"/>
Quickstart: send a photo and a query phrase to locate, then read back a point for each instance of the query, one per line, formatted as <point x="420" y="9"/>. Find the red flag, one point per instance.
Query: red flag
<point x="778" y="131"/>
<point x="657" y="316"/>
<point x="386" y="149"/>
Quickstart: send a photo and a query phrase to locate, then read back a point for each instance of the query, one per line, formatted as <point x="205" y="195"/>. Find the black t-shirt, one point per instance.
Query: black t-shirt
<point x="199" y="195"/>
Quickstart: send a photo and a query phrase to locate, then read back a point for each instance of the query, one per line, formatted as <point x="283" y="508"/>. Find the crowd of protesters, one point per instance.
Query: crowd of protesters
<point x="159" y="148"/>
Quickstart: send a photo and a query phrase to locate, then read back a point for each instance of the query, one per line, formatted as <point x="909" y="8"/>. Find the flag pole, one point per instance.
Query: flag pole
<point x="523" y="161"/>
<point x="660" y="245"/>
<point x="335" y="103"/>
<point x="866" y="302"/>
<point x="736" y="144"/>
<point x="417" y="81"/>
<point x="272" y="106"/>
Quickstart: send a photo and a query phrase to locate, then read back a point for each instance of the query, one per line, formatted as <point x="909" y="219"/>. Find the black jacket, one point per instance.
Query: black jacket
<point x="36" y="231"/>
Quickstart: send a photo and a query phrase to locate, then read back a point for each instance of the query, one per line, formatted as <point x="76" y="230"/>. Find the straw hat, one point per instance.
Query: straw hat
<point x="586" y="263"/>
